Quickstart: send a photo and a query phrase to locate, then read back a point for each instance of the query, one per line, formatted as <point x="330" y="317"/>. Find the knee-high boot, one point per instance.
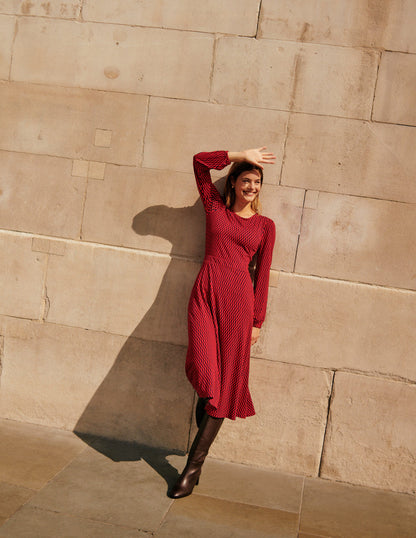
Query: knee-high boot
<point x="190" y="475"/>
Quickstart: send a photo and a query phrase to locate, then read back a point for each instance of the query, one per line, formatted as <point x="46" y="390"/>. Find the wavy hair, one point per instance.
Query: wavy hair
<point x="229" y="192"/>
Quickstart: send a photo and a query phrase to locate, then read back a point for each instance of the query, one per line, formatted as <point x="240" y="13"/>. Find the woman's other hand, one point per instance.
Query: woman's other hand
<point x="255" y="333"/>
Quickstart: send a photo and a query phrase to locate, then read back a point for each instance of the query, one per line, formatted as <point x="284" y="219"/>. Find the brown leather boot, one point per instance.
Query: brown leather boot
<point x="190" y="475"/>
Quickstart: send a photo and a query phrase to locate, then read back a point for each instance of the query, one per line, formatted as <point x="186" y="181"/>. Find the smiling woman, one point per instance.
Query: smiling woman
<point x="225" y="312"/>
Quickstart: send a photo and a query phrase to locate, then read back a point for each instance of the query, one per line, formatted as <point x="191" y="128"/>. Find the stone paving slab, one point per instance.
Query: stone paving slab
<point x="31" y="455"/>
<point x="345" y="511"/>
<point x="93" y="486"/>
<point x="31" y="522"/>
<point x="12" y="497"/>
<point x="114" y="489"/>
<point x="207" y="517"/>
<point x="248" y="485"/>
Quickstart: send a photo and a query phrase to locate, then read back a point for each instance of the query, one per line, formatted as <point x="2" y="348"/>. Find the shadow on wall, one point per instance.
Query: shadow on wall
<point x="145" y="398"/>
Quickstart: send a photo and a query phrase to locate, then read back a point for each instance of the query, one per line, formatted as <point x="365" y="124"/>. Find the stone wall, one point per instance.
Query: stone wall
<point x="103" y="103"/>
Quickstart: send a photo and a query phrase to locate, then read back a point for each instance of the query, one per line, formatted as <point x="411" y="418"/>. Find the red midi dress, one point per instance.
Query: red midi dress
<point x="224" y="305"/>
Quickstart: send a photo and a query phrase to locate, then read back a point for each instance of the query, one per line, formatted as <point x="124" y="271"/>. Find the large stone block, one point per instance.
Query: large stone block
<point x="38" y="194"/>
<point x="318" y="79"/>
<point x="284" y="206"/>
<point x="340" y="325"/>
<point x="359" y="239"/>
<point x="7" y="26"/>
<point x="395" y="99"/>
<point x="169" y="217"/>
<point x="113" y="57"/>
<point x="370" y="438"/>
<point x="22" y="273"/>
<point x="64" y="122"/>
<point x="120" y="291"/>
<point x="234" y="17"/>
<point x="155" y="210"/>
<point x="195" y="127"/>
<point x="96" y="383"/>
<point x="61" y="10"/>
<point x="351" y="157"/>
<point x="287" y="431"/>
<point x="384" y="24"/>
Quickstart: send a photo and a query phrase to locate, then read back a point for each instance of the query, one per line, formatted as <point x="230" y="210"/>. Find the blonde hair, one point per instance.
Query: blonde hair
<point x="229" y="192"/>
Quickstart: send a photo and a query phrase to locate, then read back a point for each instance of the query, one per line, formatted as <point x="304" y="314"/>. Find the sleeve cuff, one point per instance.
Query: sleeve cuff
<point x="257" y="324"/>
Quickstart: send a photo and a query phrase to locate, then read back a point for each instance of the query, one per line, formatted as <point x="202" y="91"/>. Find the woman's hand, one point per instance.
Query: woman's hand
<point x="255" y="333"/>
<point x="257" y="156"/>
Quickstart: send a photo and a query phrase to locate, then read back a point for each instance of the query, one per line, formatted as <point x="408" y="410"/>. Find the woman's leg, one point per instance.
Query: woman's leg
<point x="190" y="475"/>
<point x="200" y="410"/>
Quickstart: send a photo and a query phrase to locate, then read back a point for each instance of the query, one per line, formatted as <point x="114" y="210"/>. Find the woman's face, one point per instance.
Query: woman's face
<point x="247" y="186"/>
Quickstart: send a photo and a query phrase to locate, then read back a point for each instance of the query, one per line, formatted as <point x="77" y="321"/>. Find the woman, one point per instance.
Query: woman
<point x="225" y="313"/>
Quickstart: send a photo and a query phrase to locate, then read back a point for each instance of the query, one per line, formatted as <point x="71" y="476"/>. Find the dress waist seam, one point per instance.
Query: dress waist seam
<point x="209" y="258"/>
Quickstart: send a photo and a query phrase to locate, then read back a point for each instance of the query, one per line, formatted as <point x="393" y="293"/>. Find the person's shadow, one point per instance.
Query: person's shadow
<point x="145" y="397"/>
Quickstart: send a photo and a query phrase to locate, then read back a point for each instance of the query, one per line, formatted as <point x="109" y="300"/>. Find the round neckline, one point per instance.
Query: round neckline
<point x="239" y="216"/>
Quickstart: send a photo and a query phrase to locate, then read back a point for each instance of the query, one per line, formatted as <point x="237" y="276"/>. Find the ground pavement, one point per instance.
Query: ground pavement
<point x="55" y="484"/>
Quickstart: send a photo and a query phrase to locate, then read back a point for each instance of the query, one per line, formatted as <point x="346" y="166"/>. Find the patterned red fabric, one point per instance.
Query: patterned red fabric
<point x="223" y="306"/>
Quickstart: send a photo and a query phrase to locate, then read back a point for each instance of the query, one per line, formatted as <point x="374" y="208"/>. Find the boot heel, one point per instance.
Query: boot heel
<point x="197" y="482"/>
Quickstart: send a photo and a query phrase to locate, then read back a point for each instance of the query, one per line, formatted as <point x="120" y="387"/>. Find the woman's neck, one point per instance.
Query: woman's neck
<point x="242" y="208"/>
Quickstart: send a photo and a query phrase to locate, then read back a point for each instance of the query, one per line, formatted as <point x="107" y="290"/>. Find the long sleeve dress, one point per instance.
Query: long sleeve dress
<point x="224" y="305"/>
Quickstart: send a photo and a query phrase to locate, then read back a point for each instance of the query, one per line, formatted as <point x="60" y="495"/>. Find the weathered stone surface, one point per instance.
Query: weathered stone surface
<point x="106" y="483"/>
<point x="235" y="17"/>
<point x="31" y="455"/>
<point x="121" y="291"/>
<point x="395" y="99"/>
<point x="291" y="76"/>
<point x="39" y="195"/>
<point x="96" y="383"/>
<point x="195" y="127"/>
<point x="50" y="246"/>
<point x="351" y="157"/>
<point x="227" y="481"/>
<point x="63" y="122"/>
<point x="359" y="239"/>
<point x="63" y="10"/>
<point x="330" y="324"/>
<point x="32" y="521"/>
<point x="113" y="57"/>
<point x="287" y="431"/>
<point x="143" y="208"/>
<point x="370" y="437"/>
<point x="334" y="509"/>
<point x="284" y="206"/>
<point x="21" y="275"/>
<point x="156" y="209"/>
<point x="384" y="24"/>
<point x="12" y="497"/>
<point x="199" y="515"/>
<point x="7" y="26"/>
